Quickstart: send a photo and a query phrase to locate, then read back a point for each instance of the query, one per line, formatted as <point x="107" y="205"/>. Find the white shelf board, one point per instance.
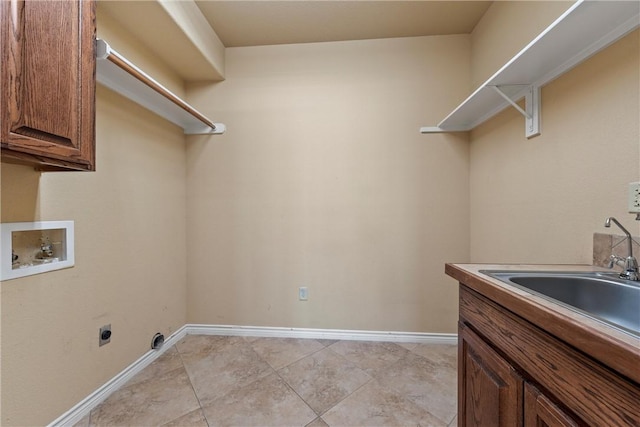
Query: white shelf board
<point x="584" y="29"/>
<point x="135" y="84"/>
<point x="173" y="31"/>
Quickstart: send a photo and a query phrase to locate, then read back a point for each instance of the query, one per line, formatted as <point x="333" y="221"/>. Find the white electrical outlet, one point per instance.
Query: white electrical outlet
<point x="634" y="197"/>
<point x="303" y="293"/>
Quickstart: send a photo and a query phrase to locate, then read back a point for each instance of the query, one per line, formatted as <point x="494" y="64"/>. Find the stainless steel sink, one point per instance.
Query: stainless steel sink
<point x="598" y="295"/>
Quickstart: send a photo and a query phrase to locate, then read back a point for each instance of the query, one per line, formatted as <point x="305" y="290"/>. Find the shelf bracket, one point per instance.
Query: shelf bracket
<point x="531" y="112"/>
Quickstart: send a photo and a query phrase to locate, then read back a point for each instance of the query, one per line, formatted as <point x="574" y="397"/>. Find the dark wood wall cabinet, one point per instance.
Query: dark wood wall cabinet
<point x="523" y="362"/>
<point x="48" y="83"/>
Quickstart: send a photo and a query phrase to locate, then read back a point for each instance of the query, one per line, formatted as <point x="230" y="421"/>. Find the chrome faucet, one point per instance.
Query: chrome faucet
<point x="629" y="264"/>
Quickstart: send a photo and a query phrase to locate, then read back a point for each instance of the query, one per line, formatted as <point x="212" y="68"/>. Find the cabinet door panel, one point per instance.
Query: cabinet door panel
<point x="48" y="81"/>
<point x="47" y="103"/>
<point x="539" y="411"/>
<point x="490" y="391"/>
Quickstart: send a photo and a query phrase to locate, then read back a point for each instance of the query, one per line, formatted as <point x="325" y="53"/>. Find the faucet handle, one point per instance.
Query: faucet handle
<point x="629" y="267"/>
<point x="615" y="260"/>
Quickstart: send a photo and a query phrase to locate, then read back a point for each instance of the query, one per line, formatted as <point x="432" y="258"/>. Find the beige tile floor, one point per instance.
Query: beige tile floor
<point x="235" y="381"/>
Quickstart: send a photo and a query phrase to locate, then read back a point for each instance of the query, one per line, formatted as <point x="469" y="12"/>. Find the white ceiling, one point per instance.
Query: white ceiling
<point x="266" y="22"/>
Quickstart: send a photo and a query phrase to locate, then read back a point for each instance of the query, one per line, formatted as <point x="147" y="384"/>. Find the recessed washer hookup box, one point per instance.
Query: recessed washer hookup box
<point x="28" y="248"/>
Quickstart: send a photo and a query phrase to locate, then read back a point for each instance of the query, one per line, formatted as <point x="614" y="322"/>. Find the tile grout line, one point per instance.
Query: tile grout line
<point x="319" y="415"/>
<point x="341" y="400"/>
<point x="373" y="378"/>
<point x="296" y="393"/>
<point x="204" y="415"/>
<point x="245" y="342"/>
<point x="399" y="392"/>
<point x="347" y="396"/>
<point x="289" y="385"/>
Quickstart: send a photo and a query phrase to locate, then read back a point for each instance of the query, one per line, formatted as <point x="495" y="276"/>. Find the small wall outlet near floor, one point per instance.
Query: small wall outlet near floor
<point x="634" y="197"/>
<point x="104" y="336"/>
<point x="303" y="293"/>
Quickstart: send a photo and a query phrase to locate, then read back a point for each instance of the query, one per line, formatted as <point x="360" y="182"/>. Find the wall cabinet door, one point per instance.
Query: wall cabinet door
<point x="48" y="83"/>
<point x="489" y="389"/>
<point x="539" y="411"/>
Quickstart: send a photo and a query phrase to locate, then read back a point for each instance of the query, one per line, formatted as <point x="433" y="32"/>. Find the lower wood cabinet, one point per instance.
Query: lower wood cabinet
<point x="492" y="393"/>
<point x="511" y="373"/>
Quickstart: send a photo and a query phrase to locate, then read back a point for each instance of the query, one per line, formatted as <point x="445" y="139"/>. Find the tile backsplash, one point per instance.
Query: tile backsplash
<point x="606" y="244"/>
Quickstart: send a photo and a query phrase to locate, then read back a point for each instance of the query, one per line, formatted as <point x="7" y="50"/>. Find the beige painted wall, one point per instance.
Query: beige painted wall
<point x="541" y="200"/>
<point x="130" y="262"/>
<point x="323" y="180"/>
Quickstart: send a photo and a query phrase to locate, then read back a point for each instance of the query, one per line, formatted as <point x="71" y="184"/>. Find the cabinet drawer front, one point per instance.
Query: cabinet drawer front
<point x="596" y="394"/>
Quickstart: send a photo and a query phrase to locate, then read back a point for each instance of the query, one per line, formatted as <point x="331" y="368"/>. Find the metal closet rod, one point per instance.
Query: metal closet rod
<point x="201" y="124"/>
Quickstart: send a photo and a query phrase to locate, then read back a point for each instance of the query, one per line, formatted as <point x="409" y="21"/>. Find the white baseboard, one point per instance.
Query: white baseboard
<point x="327" y="334"/>
<point x="80" y="410"/>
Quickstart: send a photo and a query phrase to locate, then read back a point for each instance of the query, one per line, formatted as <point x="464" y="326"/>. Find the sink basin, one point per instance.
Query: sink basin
<point x="598" y="295"/>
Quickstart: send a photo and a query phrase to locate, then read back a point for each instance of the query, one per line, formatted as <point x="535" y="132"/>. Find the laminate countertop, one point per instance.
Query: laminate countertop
<point x="618" y="350"/>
